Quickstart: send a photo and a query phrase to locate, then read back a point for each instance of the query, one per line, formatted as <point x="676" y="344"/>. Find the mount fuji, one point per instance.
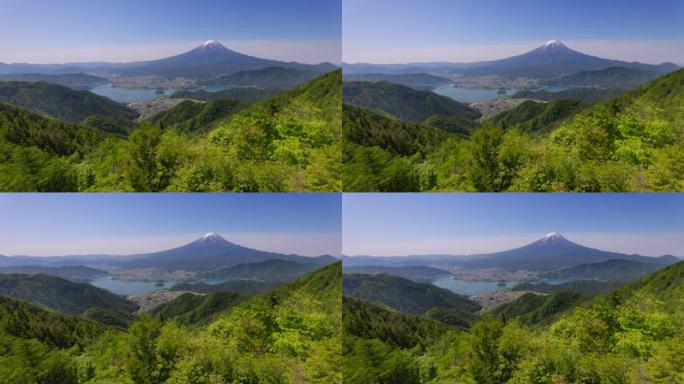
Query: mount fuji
<point x="554" y="251"/>
<point x="551" y="252"/>
<point x="210" y="252"/>
<point x="556" y="59"/>
<point x="212" y="59"/>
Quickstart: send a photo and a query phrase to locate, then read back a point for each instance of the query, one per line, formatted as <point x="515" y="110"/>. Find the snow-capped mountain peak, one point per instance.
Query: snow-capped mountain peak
<point x="212" y="46"/>
<point x="554" y="238"/>
<point x="212" y="238"/>
<point x="554" y="45"/>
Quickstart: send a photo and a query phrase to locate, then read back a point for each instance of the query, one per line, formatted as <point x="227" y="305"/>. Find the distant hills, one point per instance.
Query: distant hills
<point x="420" y="273"/>
<point x="534" y="309"/>
<point x="61" y="102"/>
<point x="77" y="274"/>
<point x="547" y="61"/>
<point x="270" y="77"/>
<point x="549" y="253"/>
<point x="614" y="269"/>
<point x="418" y="81"/>
<point x="404" y="295"/>
<point x="211" y="59"/>
<point x="404" y="102"/>
<point x="208" y="60"/>
<point x="61" y="295"/>
<point x="268" y="270"/>
<point x="209" y="253"/>
<point x="76" y="81"/>
<point x="612" y="77"/>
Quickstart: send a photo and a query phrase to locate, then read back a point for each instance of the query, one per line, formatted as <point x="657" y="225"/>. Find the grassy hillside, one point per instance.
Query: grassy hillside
<point x="583" y="286"/>
<point x="61" y="295"/>
<point x="61" y="102"/>
<point x="269" y="270"/>
<point x="190" y="309"/>
<point x="404" y="102"/>
<point x="270" y="78"/>
<point x="290" y="335"/>
<point x="404" y="295"/>
<point x="39" y="346"/>
<point x="241" y="94"/>
<point x="243" y="287"/>
<point x="613" y="77"/>
<point x="189" y="116"/>
<point x="631" y="335"/>
<point x="634" y="142"/>
<point x="291" y="142"/>
<point x="581" y="94"/>
<point x="531" y="116"/>
<point x="622" y="270"/>
<point x="534" y="309"/>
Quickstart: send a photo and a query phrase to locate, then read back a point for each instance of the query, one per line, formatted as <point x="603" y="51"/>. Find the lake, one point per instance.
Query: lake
<point x="470" y="288"/>
<point x="127" y="288"/>
<point x="468" y="95"/>
<point x="128" y="95"/>
<point x="474" y="95"/>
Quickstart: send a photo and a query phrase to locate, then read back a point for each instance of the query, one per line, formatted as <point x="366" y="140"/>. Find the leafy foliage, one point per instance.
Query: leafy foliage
<point x="189" y="116"/>
<point x="631" y="335"/>
<point x="531" y="116"/>
<point x="289" y="143"/>
<point x="190" y="308"/>
<point x="634" y="142"/>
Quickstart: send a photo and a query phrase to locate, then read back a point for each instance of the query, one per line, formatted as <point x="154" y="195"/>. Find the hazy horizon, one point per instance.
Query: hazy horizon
<point x="466" y="224"/>
<point x="402" y="31"/>
<point x="306" y="31"/>
<point x="123" y="224"/>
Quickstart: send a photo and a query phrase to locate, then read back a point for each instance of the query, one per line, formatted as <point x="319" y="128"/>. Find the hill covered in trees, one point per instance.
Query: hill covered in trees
<point x="289" y="335"/>
<point x="633" y="334"/>
<point x="61" y="295"/>
<point x="403" y="102"/>
<point x="404" y="295"/>
<point x="61" y="102"/>
<point x="291" y="142"/>
<point x="632" y="142"/>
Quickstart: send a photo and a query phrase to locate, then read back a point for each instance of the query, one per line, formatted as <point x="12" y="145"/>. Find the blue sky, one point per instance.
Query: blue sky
<point x="58" y="224"/>
<point x="403" y="224"/>
<point x="48" y="31"/>
<point x="390" y="31"/>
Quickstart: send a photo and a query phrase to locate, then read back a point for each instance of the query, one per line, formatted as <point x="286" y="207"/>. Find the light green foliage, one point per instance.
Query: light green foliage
<point x="633" y="142"/>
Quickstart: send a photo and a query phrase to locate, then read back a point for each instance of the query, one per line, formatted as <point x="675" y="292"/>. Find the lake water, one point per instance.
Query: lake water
<point x="470" y="288"/>
<point x="467" y="95"/>
<point x="127" y="288"/>
<point x="129" y="95"/>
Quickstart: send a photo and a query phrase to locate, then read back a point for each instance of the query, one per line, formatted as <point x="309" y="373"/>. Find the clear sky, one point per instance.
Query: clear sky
<point x="452" y="223"/>
<point x="395" y="31"/>
<point x="59" y="224"/>
<point x="49" y="31"/>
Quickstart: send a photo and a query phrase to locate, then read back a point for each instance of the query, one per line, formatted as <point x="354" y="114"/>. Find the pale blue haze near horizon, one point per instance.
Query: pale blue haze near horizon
<point x="462" y="223"/>
<point x="49" y="31"/>
<point x="59" y="224"/>
<point x="393" y="31"/>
